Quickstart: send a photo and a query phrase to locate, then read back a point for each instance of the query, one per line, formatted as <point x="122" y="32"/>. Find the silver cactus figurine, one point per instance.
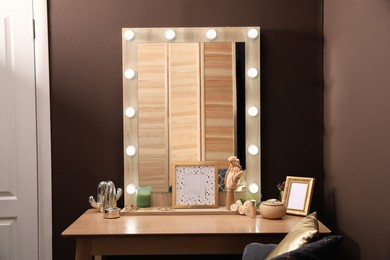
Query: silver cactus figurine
<point x="107" y="196"/>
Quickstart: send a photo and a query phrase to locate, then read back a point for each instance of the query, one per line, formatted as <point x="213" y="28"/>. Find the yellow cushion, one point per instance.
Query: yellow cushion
<point x="299" y="236"/>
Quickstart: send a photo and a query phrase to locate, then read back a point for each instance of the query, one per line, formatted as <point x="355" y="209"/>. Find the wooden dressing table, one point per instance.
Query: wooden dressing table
<point x="170" y="233"/>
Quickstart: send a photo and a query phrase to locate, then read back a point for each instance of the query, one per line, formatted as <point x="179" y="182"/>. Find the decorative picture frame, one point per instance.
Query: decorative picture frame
<point x="297" y="194"/>
<point x="195" y="184"/>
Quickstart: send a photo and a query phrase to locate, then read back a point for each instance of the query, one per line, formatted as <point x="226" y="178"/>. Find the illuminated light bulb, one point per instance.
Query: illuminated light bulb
<point x="253" y="111"/>
<point x="131" y="188"/>
<point x="170" y="35"/>
<point x="253" y="187"/>
<point x="252" y="34"/>
<point x="252" y="73"/>
<point x="129" y="74"/>
<point x="130" y="150"/>
<point x="211" y="34"/>
<point x="253" y="149"/>
<point x="129" y="35"/>
<point x="130" y="112"/>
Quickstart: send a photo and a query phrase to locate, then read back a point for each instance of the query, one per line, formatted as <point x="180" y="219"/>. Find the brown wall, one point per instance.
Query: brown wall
<point x="86" y="90"/>
<point x="357" y="125"/>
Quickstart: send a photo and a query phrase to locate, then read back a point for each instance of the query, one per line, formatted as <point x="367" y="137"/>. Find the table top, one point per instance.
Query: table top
<point x="92" y="223"/>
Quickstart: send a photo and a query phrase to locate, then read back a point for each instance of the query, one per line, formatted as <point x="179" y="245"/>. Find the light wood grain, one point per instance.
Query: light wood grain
<point x="174" y="234"/>
<point x="184" y="102"/>
<point x="92" y="223"/>
<point x="219" y="140"/>
<point x="153" y="116"/>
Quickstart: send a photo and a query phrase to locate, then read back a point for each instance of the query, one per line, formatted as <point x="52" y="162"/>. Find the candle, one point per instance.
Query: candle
<point x="143" y="197"/>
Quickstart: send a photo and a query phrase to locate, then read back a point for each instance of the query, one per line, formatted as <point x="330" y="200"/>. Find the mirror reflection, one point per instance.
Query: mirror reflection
<point x="187" y="107"/>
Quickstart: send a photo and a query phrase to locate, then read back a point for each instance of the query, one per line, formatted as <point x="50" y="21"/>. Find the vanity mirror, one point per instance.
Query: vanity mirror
<point x="180" y="102"/>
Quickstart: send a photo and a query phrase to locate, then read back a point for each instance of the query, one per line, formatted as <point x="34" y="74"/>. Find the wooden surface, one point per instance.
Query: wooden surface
<point x="219" y="98"/>
<point x="184" y="102"/>
<point x="175" y="234"/>
<point x="153" y="157"/>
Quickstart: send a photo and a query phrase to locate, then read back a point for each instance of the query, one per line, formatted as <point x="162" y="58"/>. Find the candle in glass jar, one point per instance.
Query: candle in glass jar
<point x="143" y="197"/>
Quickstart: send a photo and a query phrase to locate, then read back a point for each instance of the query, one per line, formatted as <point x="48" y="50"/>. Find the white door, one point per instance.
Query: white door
<point x="18" y="142"/>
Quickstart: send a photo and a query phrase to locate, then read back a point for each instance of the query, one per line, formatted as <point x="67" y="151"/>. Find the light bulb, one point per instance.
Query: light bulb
<point x="170" y="35"/>
<point x="131" y="188"/>
<point x="130" y="150"/>
<point x="211" y="34"/>
<point x="253" y="111"/>
<point x="253" y="149"/>
<point x="253" y="187"/>
<point x="130" y="112"/>
<point x="252" y="34"/>
<point x="129" y="35"/>
<point x="252" y="73"/>
<point x="129" y="73"/>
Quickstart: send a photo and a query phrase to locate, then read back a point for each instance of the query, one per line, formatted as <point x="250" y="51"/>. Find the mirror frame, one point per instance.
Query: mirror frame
<point x="133" y="36"/>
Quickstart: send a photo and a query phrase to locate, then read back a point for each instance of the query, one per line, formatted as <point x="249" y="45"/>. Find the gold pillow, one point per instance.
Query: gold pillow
<point x="299" y="236"/>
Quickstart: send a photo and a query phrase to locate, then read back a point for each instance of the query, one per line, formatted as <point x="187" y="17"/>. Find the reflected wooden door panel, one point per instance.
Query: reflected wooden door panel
<point x="153" y="160"/>
<point x="184" y="102"/>
<point x="219" y="102"/>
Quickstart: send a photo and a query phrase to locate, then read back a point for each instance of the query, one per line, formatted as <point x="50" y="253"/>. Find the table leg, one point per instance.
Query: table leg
<point x="83" y="249"/>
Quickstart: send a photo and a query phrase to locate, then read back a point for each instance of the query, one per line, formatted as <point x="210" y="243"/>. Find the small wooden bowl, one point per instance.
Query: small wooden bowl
<point x="272" y="209"/>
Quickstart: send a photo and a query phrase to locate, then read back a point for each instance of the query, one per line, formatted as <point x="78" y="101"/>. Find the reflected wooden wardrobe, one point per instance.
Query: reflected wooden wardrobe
<point x="186" y="107"/>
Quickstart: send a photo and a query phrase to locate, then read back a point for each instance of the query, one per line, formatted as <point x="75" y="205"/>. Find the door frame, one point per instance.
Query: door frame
<point x="41" y="47"/>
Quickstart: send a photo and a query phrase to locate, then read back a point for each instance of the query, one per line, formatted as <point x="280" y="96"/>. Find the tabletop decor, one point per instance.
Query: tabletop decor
<point x="107" y="196"/>
<point x="195" y="184"/>
<point x="298" y="194"/>
<point x="241" y="206"/>
<point x="232" y="177"/>
<point x="272" y="209"/>
<point x="280" y="187"/>
<point x="143" y="197"/>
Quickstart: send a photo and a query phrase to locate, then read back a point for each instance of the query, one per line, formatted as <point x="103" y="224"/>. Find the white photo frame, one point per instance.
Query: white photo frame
<point x="297" y="195"/>
<point x="195" y="184"/>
